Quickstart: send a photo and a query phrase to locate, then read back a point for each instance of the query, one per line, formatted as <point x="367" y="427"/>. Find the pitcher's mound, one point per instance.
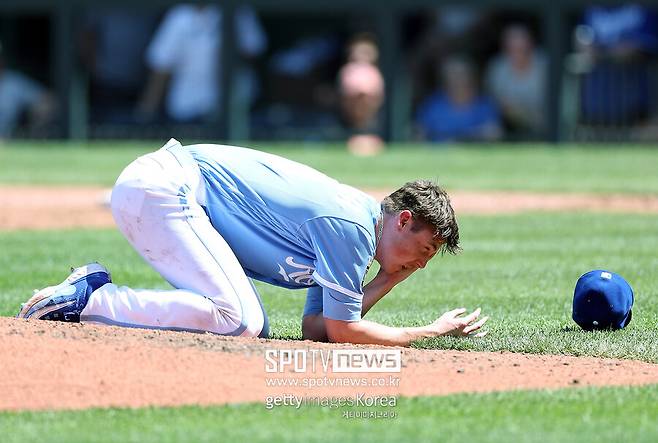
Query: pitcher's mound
<point x="51" y="365"/>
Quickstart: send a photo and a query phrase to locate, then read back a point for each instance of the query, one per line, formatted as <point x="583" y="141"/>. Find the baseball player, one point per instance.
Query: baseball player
<point x="209" y="218"/>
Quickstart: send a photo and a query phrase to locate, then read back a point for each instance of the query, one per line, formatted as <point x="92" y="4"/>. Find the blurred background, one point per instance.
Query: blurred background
<point x="365" y="73"/>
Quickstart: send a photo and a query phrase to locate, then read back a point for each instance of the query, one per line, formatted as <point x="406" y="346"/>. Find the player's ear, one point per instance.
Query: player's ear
<point x="405" y="217"/>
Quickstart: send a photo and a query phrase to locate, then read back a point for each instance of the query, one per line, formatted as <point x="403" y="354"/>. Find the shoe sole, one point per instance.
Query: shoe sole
<point x="35" y="303"/>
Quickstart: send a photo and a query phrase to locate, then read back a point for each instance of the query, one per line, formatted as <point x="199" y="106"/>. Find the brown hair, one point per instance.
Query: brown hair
<point x="430" y="204"/>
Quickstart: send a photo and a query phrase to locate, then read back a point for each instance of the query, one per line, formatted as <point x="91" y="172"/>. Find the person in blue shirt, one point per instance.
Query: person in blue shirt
<point x="618" y="45"/>
<point x="211" y="218"/>
<point x="457" y="112"/>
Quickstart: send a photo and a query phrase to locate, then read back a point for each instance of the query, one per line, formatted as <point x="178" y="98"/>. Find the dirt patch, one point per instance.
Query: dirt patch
<point x="61" y="207"/>
<point x="29" y="207"/>
<point x="512" y="202"/>
<point x="50" y="365"/>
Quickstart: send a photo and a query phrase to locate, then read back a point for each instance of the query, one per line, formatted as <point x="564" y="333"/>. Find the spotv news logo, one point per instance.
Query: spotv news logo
<point x="339" y="360"/>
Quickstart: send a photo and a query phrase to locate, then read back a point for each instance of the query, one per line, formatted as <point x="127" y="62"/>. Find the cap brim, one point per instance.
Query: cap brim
<point x="628" y="318"/>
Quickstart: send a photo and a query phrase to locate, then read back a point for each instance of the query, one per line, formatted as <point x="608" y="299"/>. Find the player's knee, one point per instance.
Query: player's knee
<point x="232" y="320"/>
<point x="257" y="325"/>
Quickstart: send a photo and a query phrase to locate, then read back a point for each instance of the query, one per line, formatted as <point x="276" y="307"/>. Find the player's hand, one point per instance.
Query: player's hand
<point x="451" y="323"/>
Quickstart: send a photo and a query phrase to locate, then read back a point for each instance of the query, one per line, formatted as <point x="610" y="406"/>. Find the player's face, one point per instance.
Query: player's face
<point x="407" y="245"/>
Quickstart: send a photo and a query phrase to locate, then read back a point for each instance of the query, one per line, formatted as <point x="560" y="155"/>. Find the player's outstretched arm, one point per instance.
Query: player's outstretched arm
<point x="367" y="332"/>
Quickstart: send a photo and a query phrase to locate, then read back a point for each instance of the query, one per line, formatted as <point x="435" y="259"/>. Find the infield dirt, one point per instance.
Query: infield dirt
<point x="30" y="207"/>
<point x="52" y="365"/>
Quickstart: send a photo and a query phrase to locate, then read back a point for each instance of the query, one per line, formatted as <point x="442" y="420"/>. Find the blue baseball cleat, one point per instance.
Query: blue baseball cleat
<point x="65" y="301"/>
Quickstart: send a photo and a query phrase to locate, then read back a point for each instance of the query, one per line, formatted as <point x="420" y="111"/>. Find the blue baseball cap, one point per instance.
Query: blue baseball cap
<point x="602" y="300"/>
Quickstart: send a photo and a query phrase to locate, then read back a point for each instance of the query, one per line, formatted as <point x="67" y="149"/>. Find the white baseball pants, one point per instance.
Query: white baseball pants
<point x="156" y="204"/>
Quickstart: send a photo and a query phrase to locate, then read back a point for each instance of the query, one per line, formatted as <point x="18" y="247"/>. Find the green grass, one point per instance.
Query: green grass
<point x="576" y="415"/>
<point x="567" y="168"/>
<point x="520" y="269"/>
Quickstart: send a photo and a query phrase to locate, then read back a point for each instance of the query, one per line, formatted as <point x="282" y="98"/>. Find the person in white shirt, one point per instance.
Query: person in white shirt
<point x="184" y="58"/>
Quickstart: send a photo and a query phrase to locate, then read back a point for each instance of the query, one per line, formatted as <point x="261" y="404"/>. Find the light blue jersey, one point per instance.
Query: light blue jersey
<point x="291" y="226"/>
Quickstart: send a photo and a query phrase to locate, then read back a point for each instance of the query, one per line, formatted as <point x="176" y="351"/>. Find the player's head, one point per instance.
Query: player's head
<point x="419" y="222"/>
<point x="362" y="48"/>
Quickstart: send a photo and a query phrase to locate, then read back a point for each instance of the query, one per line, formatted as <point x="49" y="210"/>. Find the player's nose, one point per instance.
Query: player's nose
<point x="420" y="264"/>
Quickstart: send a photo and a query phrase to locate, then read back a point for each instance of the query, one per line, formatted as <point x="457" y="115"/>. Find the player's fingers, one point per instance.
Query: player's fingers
<point x="470" y="318"/>
<point x="475" y="326"/>
<point x="479" y="334"/>
<point x="456" y="312"/>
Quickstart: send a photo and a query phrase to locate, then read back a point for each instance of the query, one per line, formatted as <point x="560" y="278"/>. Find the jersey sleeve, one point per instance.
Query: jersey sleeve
<point x="313" y="304"/>
<point x="343" y="252"/>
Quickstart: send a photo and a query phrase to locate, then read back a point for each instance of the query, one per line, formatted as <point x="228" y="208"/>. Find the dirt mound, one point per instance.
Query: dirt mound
<point x="50" y="365"/>
<point x="31" y="207"/>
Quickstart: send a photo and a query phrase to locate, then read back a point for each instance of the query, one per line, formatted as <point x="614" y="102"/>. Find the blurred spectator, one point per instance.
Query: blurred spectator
<point x="113" y="44"/>
<point x="458" y="112"/>
<point x="185" y="56"/>
<point x="22" y="99"/>
<point x="361" y="88"/>
<point x="363" y="49"/>
<point x="517" y="80"/>
<point x="449" y="29"/>
<point x="616" y="43"/>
